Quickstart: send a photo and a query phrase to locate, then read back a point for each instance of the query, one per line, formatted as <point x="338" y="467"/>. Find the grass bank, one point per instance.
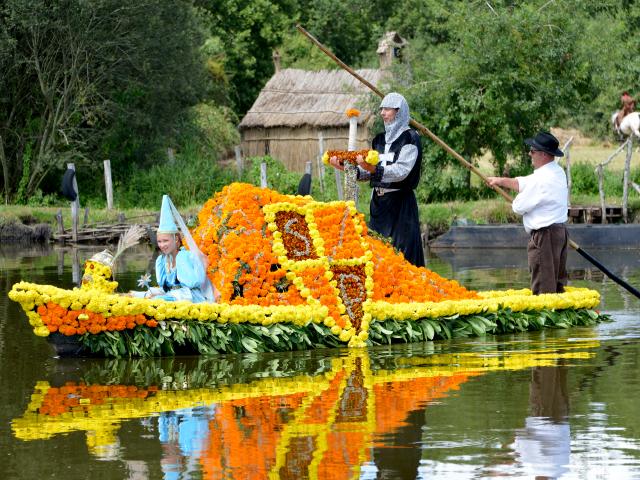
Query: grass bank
<point x="438" y="217"/>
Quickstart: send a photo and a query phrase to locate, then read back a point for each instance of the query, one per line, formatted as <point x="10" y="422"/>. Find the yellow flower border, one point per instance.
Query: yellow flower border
<point x="31" y="295"/>
<point x="295" y="268"/>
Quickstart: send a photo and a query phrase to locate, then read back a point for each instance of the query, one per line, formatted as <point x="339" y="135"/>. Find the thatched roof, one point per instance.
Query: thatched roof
<point x="293" y="98"/>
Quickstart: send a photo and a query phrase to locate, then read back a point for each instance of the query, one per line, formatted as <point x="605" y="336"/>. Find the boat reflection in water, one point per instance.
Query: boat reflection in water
<point x="302" y="415"/>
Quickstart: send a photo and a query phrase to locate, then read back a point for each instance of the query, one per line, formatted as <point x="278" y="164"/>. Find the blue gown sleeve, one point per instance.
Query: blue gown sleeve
<point x="161" y="272"/>
<point x="190" y="270"/>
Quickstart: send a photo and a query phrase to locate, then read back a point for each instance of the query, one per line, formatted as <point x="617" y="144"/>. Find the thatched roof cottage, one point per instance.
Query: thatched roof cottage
<point x="296" y="107"/>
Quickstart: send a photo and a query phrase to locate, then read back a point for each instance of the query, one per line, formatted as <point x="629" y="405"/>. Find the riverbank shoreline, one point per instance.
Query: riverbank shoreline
<point x="619" y="236"/>
<point x="436" y="219"/>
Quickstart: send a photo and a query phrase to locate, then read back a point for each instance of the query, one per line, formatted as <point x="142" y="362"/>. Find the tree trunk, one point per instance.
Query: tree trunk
<point x="5" y="171"/>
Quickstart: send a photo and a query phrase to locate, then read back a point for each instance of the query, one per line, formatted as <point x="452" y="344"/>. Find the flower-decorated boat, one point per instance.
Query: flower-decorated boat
<point x="293" y="274"/>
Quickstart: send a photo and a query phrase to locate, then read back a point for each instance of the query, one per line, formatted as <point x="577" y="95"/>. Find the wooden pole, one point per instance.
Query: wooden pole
<point x="626" y="178"/>
<point x="85" y="220"/>
<point x="75" y="206"/>
<point x="421" y="128"/>
<point x="319" y="161"/>
<point x="603" y="207"/>
<point x="458" y="157"/>
<point x="339" y="184"/>
<point x="239" y="165"/>
<point x="263" y="175"/>
<point x="567" y="167"/>
<point x="108" y="184"/>
<point x="60" y="222"/>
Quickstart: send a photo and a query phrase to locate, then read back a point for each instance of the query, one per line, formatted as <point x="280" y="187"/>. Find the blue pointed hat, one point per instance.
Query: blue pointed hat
<point x="167" y="222"/>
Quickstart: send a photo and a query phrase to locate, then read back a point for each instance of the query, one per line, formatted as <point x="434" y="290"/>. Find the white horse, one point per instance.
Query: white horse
<point x="629" y="125"/>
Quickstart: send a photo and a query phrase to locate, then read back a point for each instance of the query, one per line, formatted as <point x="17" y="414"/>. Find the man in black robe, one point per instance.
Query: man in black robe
<point x="393" y="208"/>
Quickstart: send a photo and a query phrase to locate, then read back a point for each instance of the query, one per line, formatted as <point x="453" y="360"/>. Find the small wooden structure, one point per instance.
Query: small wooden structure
<point x="296" y="106"/>
<point x="390" y="49"/>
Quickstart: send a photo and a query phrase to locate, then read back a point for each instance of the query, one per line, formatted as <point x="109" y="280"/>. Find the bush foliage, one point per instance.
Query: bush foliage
<point x="88" y="81"/>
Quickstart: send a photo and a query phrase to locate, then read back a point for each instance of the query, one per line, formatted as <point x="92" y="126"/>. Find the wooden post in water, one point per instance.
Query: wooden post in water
<point x="75" y="206"/>
<point x="626" y="179"/>
<point x="108" y="184"/>
<point x="60" y="222"/>
<point x="263" y="175"/>
<point x="85" y="220"/>
<point x="75" y="266"/>
<point x="239" y="165"/>
<point x="60" y="262"/>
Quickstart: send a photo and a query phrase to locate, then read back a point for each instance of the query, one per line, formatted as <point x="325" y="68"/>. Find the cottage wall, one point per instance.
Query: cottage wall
<point x="296" y="146"/>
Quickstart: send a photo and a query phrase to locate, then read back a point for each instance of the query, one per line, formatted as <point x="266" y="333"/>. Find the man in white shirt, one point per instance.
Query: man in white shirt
<point x="542" y="202"/>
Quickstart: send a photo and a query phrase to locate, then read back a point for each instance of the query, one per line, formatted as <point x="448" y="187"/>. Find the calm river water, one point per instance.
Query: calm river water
<point x="555" y="404"/>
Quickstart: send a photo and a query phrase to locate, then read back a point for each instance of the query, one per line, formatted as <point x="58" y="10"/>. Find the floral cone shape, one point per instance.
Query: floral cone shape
<point x="265" y="248"/>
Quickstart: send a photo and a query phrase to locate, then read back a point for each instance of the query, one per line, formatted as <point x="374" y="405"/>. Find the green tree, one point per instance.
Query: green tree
<point x="504" y="74"/>
<point x="84" y="81"/>
<point x="249" y="30"/>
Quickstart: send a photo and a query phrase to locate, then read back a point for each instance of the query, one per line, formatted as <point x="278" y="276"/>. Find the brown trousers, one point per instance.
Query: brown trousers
<point x="547" y="255"/>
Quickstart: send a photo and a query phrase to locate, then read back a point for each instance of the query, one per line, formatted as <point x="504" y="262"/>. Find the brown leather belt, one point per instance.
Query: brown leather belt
<point x="547" y="227"/>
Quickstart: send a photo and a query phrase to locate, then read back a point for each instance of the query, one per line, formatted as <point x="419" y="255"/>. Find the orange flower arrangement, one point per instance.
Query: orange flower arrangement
<point x="397" y="281"/>
<point x="350" y="156"/>
<point x="353" y="112"/>
<point x="339" y="225"/>
<point x="78" y="322"/>
<point x="242" y="264"/>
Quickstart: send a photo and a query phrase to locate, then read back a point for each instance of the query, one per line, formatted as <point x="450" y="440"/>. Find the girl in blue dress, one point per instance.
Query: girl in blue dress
<point x="181" y="273"/>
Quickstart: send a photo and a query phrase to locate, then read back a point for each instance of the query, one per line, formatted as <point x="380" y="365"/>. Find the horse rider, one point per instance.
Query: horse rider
<point x="628" y="106"/>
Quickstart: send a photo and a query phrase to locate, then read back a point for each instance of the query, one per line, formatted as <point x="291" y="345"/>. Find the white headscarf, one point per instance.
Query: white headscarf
<point x="401" y="122"/>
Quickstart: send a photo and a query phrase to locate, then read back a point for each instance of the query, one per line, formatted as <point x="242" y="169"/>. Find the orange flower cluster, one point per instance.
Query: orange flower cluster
<point x="73" y="397"/>
<point x="353" y="112"/>
<point x="78" y="322"/>
<point x="341" y="241"/>
<point x="397" y="281"/>
<point x="347" y="156"/>
<point x="242" y="265"/>
<point x="352" y="291"/>
<point x="295" y="235"/>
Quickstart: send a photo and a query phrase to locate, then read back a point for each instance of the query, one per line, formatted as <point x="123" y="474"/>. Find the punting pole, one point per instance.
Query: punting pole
<point x="469" y="166"/>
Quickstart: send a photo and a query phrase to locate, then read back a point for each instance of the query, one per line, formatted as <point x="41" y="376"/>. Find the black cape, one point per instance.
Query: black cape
<point x="395" y="215"/>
